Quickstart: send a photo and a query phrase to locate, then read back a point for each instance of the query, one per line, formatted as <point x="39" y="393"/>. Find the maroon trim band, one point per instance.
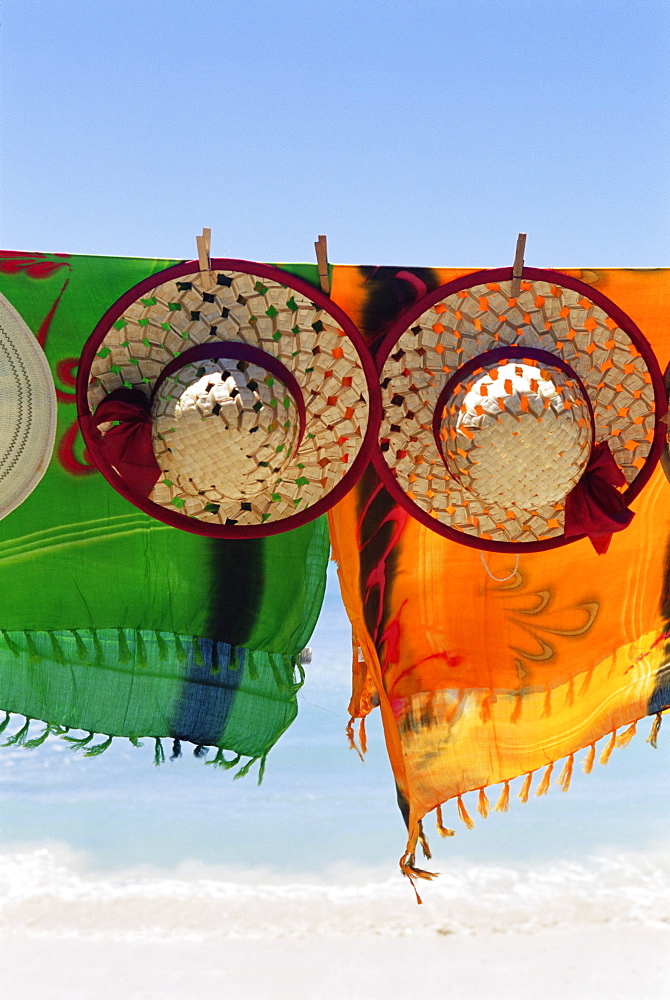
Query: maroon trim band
<point x="91" y="434"/>
<point x="493" y="357"/>
<point x="237" y="351"/>
<point x="624" y="321"/>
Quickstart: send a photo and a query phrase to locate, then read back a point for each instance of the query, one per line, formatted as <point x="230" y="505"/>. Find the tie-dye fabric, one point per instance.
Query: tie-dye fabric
<point x="112" y="623"/>
<point x="488" y="667"/>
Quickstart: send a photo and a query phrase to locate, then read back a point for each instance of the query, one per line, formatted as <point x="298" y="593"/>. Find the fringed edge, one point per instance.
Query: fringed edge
<point x="502" y="805"/>
<point x="441" y="828"/>
<point x="653" y="735"/>
<point x="352" y="738"/>
<point x="463" y="813"/>
<point x="483" y="806"/>
<point x="410" y="871"/>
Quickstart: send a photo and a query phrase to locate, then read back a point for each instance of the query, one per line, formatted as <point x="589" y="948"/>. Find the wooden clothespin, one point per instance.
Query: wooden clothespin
<point x="204" y="243"/>
<point x="322" y="264"/>
<point x="517" y="270"/>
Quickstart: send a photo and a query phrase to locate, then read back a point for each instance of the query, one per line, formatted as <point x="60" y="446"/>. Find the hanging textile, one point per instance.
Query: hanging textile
<point x="491" y="665"/>
<point x="116" y="624"/>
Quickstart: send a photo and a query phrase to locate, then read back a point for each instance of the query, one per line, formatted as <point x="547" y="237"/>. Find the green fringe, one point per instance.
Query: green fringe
<point x="251" y="665"/>
<point x="243" y="771"/>
<point x="82" y="652"/>
<point x="233" y="662"/>
<point x="19" y="738"/>
<point x="4" y="723"/>
<point x="197" y="653"/>
<point x="56" y="651"/>
<point x="141" y="658"/>
<point x="135" y="741"/>
<point x="125" y="656"/>
<point x="261" y="769"/>
<point x="220" y="760"/>
<point x="39" y="740"/>
<point x="11" y="645"/>
<point x="99" y="748"/>
<point x="159" y="753"/>
<point x="180" y="651"/>
<point x="33" y="651"/>
<point x="76" y="742"/>
<point x="163" y="648"/>
<point x="215" y="667"/>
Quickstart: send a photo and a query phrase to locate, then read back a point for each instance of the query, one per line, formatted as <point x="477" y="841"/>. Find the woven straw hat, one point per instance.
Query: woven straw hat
<point x="27" y="410"/>
<point x="493" y="406"/>
<point x="264" y="403"/>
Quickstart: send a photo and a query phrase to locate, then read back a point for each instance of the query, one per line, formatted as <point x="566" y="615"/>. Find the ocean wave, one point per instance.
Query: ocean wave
<point x="45" y="893"/>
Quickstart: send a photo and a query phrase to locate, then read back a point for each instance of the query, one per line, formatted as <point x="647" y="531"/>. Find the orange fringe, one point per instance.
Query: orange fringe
<point x="442" y="830"/>
<point x="362" y="738"/>
<point x="502" y="805"/>
<point x="525" y="788"/>
<point x="463" y="813"/>
<point x="627" y="736"/>
<point x="565" y="776"/>
<point x="607" y="752"/>
<point x="423" y="840"/>
<point x="352" y="738"/>
<point x="410" y="871"/>
<point x="543" y="787"/>
<point x="546" y="711"/>
<point x="590" y="759"/>
<point x="483" y="807"/>
<point x="653" y="735"/>
<point x="485" y="708"/>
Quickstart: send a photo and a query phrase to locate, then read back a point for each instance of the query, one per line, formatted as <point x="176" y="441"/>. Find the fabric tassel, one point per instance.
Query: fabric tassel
<point x="125" y="656"/>
<point x="362" y="737"/>
<point x="244" y="770"/>
<point x="589" y="760"/>
<point x="99" y="748"/>
<point x="441" y="829"/>
<point x="565" y="776"/>
<point x="56" y="651"/>
<point x="483" y="807"/>
<point x="215" y="665"/>
<point x="546" y="711"/>
<point x="423" y="840"/>
<point x="141" y="658"/>
<point x="261" y="769"/>
<point x="19" y="738"/>
<point x="11" y="645"/>
<point x="485" y="709"/>
<point x="176" y="749"/>
<point x="607" y="752"/>
<point x="159" y="753"/>
<point x="410" y="871"/>
<point x="135" y="741"/>
<point x="39" y="740"/>
<point x="543" y="787"/>
<point x="162" y="646"/>
<point x="220" y="760"/>
<point x="198" y="658"/>
<point x="76" y="742"/>
<point x="251" y="665"/>
<point x="5" y="723"/>
<point x="33" y="651"/>
<point x="652" y="738"/>
<point x="624" y="739"/>
<point x="463" y="813"/>
<point x="525" y="788"/>
<point x="502" y="805"/>
<point x="352" y="738"/>
<point x="82" y="651"/>
<point x="182" y="655"/>
<point x="200" y="751"/>
<point x="234" y="661"/>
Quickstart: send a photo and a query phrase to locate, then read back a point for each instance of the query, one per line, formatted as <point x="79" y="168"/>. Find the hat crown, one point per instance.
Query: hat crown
<point x="517" y="435"/>
<point x="224" y="429"/>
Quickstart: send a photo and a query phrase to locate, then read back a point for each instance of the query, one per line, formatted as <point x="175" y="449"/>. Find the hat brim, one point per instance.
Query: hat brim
<point x="27" y="410"/>
<point x="554" y="312"/>
<point x="253" y="303"/>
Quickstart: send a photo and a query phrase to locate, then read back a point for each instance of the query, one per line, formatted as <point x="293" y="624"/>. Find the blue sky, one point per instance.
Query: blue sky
<point x="409" y="131"/>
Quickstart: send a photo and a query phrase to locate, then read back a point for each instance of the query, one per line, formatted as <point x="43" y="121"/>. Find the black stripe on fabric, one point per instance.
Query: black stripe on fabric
<point x="389" y="291"/>
<point x="208" y="692"/>
<point x="236" y="571"/>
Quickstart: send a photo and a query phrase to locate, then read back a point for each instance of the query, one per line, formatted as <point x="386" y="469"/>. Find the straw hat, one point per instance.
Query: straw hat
<point x="261" y="398"/>
<point x="496" y="408"/>
<point x="27" y="410"/>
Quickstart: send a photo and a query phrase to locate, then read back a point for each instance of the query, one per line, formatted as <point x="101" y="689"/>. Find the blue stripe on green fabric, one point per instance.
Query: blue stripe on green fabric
<point x="209" y="692"/>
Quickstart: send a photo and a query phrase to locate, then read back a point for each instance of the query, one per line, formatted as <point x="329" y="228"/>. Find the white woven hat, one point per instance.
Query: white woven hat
<point x="493" y="405"/>
<point x="263" y="398"/>
<point x="27" y="410"/>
